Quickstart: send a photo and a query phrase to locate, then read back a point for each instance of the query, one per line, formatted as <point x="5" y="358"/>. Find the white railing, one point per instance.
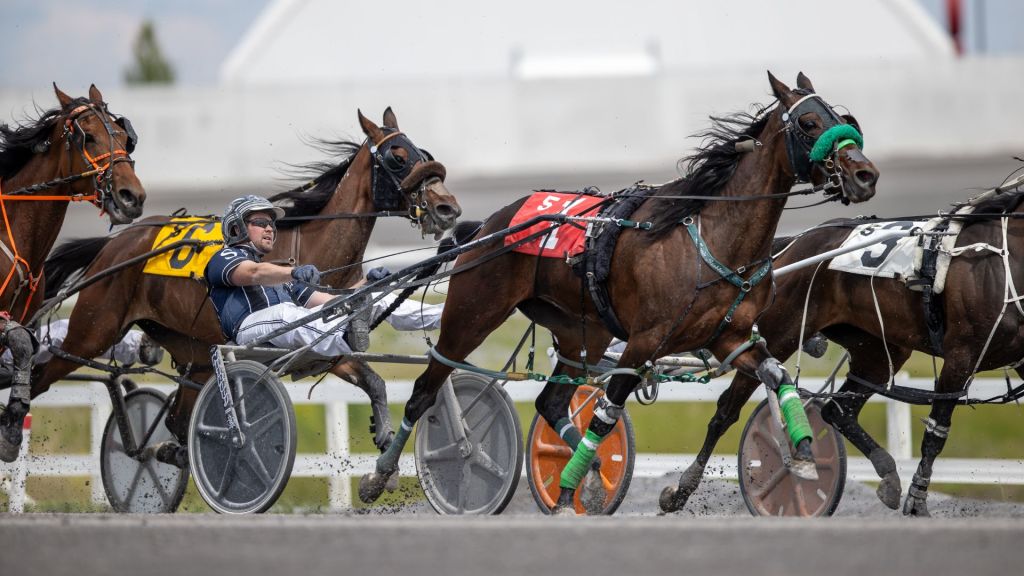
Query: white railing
<point x="336" y="395"/>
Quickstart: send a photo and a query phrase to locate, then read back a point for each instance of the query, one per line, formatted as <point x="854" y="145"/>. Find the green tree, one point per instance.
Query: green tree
<point x="150" y="66"/>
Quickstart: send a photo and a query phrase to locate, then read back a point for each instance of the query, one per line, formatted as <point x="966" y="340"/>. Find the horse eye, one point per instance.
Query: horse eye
<point x="807" y="124"/>
<point x="89" y="139"/>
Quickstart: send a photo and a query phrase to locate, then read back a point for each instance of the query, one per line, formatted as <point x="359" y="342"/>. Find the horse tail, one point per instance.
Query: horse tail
<point x="462" y="233"/>
<point x="69" y="258"/>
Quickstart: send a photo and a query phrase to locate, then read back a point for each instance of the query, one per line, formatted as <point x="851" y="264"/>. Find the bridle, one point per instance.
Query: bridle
<point x="389" y="171"/>
<point x="805" y="152"/>
<point x="102" y="185"/>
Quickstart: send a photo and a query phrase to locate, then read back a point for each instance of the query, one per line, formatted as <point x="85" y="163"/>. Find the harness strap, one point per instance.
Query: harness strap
<point x="17" y="263"/>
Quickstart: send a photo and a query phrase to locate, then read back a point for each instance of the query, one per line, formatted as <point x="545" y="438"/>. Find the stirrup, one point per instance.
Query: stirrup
<point x="357" y="335"/>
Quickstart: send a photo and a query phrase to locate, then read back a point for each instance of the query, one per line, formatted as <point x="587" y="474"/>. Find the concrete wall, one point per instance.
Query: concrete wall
<point x="221" y="138"/>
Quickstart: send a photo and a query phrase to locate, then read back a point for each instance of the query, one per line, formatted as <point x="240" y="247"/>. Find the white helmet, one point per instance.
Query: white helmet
<point x="233" y="223"/>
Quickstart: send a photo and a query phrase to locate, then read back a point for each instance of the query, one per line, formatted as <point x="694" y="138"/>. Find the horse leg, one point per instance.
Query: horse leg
<point x="606" y="416"/>
<point x="773" y="374"/>
<point x="553" y="405"/>
<point x="360" y="374"/>
<point x="673" y="498"/>
<point x="463" y="329"/>
<point x="952" y="378"/>
<point x="867" y="361"/>
<point x="19" y="340"/>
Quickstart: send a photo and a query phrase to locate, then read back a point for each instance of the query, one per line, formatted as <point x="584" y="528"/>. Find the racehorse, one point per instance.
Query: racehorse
<point x="659" y="278"/>
<point x="978" y="330"/>
<point x="327" y="223"/>
<point x="77" y="152"/>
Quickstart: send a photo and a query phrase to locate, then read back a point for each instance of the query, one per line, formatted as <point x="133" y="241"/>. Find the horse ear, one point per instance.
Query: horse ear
<point x="804" y="83"/>
<point x="63" y="98"/>
<point x="389" y="119"/>
<point x="781" y="91"/>
<point x="94" y="94"/>
<point x="369" y="128"/>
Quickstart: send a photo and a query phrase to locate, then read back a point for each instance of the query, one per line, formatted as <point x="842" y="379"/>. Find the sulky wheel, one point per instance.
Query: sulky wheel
<point x="472" y="468"/>
<point x="140" y="483"/>
<point x="547" y="454"/>
<point x="249" y="478"/>
<point x="769" y="489"/>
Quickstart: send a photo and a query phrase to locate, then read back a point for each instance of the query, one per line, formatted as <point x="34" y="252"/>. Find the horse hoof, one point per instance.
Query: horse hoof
<point x="889" y="491"/>
<point x="10" y="447"/>
<point x="917" y="507"/>
<point x="392" y="484"/>
<point x="804" y="469"/>
<point x="564" y="511"/>
<point x="372" y="485"/>
<point x="668" y="501"/>
<point x="593" y="495"/>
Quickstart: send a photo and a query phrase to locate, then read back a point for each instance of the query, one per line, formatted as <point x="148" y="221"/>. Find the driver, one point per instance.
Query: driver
<point x="253" y="298"/>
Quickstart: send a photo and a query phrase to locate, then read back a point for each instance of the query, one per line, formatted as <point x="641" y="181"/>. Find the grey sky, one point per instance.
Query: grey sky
<point x="77" y="42"/>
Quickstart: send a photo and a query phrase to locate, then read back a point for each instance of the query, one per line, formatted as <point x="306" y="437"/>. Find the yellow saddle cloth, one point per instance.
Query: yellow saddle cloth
<point x="185" y="261"/>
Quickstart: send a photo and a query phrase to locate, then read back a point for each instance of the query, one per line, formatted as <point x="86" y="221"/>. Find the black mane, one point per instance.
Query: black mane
<point x="18" y="143"/>
<point x="999" y="203"/>
<point x="304" y="201"/>
<point x="708" y="169"/>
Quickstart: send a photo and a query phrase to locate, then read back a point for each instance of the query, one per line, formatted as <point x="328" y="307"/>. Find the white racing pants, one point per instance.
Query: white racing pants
<point x="126" y="351"/>
<point x="410" y="315"/>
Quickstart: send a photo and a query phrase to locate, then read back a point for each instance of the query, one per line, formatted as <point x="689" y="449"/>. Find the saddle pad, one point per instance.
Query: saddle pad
<point x="564" y="240"/>
<point x="185" y="261"/>
<point x="898" y="258"/>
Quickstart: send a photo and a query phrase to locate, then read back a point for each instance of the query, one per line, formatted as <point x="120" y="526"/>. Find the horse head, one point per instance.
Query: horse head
<point x="823" y="147"/>
<point x="405" y="176"/>
<point x="99" y="144"/>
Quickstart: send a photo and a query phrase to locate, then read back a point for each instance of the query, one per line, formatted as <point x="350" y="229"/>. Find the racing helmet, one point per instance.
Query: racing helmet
<point x="233" y="223"/>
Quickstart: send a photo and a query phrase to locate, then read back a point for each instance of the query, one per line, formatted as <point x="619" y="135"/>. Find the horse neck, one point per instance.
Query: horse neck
<point x="334" y="243"/>
<point x="759" y="173"/>
<point x="34" y="225"/>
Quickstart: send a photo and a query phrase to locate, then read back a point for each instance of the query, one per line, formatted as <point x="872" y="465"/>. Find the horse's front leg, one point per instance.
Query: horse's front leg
<point x="673" y="498"/>
<point x="773" y="374"/>
<point x="18" y="340"/>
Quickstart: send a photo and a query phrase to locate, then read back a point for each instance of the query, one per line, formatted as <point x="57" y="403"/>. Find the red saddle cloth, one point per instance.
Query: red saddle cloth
<point x="564" y="239"/>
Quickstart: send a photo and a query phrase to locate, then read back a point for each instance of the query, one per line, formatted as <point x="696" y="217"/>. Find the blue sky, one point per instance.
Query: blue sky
<point x="78" y="42"/>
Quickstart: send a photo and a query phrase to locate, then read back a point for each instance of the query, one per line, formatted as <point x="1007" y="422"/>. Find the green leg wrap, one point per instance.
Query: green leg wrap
<point x="579" y="464"/>
<point x="793" y="414"/>
<point x="388" y="461"/>
<point x="568" y="432"/>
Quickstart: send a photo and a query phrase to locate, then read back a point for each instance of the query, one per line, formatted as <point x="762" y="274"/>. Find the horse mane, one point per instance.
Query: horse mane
<point x="999" y="203"/>
<point x="18" y="143"/>
<point x="327" y="174"/>
<point x="708" y="169"/>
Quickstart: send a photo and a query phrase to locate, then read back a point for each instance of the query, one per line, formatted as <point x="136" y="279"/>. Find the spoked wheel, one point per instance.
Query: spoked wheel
<point x="472" y="464"/>
<point x="548" y="455"/>
<point x="140" y="483"/>
<point x="769" y="489"/>
<point x="249" y="478"/>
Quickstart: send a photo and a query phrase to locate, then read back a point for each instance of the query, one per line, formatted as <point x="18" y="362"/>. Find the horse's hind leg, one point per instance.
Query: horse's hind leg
<point x="466" y="321"/>
<point x="363" y="377"/>
<point x="952" y="378"/>
<point x="673" y="498"/>
<point x="867" y="361"/>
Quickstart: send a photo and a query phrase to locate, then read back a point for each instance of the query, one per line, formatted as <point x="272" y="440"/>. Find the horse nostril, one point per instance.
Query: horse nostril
<point x="866" y="178"/>
<point x="447" y="211"/>
<point x="127" y="197"/>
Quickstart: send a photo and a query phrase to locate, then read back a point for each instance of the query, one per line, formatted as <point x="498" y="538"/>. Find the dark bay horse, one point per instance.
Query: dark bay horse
<point x="658" y="283"/>
<point x="77" y="152"/>
<point x="330" y="227"/>
<point x="983" y="330"/>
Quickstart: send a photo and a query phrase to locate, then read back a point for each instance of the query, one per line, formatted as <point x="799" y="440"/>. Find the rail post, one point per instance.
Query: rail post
<point x="339" y="485"/>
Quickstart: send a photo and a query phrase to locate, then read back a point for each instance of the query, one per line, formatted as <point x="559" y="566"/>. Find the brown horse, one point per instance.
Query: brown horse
<point x="330" y="225"/>
<point x="982" y="331"/>
<point x="77" y="152"/>
<point x="658" y="282"/>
